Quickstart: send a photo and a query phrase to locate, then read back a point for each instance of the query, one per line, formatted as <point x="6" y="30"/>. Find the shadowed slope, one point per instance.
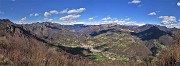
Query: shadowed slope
<point x="18" y="47"/>
<point x="151" y="33"/>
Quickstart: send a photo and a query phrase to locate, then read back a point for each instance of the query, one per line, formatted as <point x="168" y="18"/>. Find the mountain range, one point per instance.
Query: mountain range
<point x="53" y="44"/>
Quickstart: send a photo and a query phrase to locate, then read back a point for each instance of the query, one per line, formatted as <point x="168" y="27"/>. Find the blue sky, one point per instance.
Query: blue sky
<point x="163" y="12"/>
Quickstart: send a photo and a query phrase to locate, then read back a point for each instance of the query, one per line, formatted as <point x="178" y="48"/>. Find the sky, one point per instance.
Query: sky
<point x="125" y="12"/>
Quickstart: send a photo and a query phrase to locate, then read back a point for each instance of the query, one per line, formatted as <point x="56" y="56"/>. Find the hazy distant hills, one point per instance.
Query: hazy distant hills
<point x="51" y="31"/>
<point x="52" y="44"/>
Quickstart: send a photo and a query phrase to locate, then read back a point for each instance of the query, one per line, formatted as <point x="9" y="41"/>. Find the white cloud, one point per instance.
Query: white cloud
<point x="106" y="18"/>
<point x="135" y="1"/>
<point x="178" y="3"/>
<point x="123" y="22"/>
<point x="36" y="14"/>
<point x="127" y="19"/>
<point x="91" y="18"/>
<point x="22" y="20"/>
<point x="168" y="19"/>
<point x="173" y="25"/>
<point x="46" y="14"/>
<point x="72" y="14"/>
<point x="85" y="23"/>
<point x="116" y="21"/>
<point x="76" y="11"/>
<point x="64" y="11"/>
<point x="130" y="23"/>
<point x="177" y="24"/>
<point x="152" y="14"/>
<point x="53" y="12"/>
<point x="69" y="18"/>
<point x="33" y="14"/>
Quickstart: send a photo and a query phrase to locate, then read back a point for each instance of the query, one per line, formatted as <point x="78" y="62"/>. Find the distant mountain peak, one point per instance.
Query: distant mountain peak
<point x="153" y="28"/>
<point x="152" y="33"/>
<point x="5" y="21"/>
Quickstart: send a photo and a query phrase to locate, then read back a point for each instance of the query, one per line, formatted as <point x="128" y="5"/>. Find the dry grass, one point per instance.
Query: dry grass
<point x="34" y="53"/>
<point x="21" y="50"/>
<point x="170" y="57"/>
